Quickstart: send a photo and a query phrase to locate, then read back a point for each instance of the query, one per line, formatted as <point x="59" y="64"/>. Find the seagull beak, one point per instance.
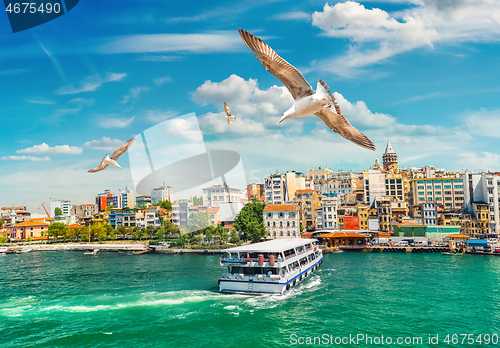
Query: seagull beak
<point x="118" y="166"/>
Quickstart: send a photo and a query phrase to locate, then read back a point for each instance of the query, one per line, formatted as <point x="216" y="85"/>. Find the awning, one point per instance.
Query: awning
<point x="455" y="236"/>
<point x="477" y="242"/>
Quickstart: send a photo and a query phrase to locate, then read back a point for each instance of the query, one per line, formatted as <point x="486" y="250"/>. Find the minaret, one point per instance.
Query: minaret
<point x="13" y="215"/>
<point x="390" y="159"/>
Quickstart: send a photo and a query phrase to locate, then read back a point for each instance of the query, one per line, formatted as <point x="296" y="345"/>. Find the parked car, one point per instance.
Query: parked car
<point x="402" y="243"/>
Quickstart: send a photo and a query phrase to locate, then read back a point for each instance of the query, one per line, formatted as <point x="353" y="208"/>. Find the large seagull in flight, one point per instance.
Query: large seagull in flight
<point x="111" y="161"/>
<point x="307" y="102"/>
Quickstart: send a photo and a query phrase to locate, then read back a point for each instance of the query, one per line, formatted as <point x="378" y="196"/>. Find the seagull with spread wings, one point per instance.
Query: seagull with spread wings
<point x="111" y="161"/>
<point x="229" y="117"/>
<point x="306" y="101"/>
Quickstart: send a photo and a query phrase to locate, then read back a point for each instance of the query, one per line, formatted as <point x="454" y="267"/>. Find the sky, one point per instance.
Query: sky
<point x="423" y="73"/>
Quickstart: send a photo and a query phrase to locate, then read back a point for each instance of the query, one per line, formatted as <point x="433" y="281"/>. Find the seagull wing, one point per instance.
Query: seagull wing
<point x="100" y="167"/>
<point x="334" y="119"/>
<point x="284" y="71"/>
<point x="122" y="149"/>
<point x="228" y="112"/>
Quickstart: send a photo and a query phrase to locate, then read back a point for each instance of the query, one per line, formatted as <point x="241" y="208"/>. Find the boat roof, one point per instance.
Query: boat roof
<point x="272" y="245"/>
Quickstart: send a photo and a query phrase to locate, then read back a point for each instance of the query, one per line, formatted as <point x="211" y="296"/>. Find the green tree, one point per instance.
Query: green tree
<point x="56" y="229"/>
<point x="197" y="200"/>
<point x="234" y="238"/>
<point x="166" y="204"/>
<point x="109" y="207"/>
<point x="250" y="221"/>
<point x="57" y="211"/>
<point x="98" y="231"/>
<point x="198" y="221"/>
<point x="3" y="239"/>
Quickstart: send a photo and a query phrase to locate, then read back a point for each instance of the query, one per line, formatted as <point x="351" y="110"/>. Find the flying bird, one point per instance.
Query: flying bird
<point x="306" y="101"/>
<point x="111" y="161"/>
<point x="229" y="117"/>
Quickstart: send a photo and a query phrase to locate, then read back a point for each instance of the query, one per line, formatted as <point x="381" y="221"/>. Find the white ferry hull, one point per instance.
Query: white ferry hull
<point x="253" y="286"/>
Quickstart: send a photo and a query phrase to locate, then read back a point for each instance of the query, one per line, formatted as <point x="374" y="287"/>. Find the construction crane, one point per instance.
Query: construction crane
<point x="46" y="212"/>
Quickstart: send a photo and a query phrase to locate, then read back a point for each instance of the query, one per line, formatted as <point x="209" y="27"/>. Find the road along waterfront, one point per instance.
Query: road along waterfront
<point x="67" y="299"/>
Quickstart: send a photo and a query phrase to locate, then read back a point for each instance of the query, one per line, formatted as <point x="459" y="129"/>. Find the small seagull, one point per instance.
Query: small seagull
<point x="111" y="161"/>
<point x="229" y="117"/>
<point x="306" y="101"/>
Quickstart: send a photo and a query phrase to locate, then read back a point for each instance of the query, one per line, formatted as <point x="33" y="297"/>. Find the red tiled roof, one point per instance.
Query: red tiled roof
<point x="409" y="223"/>
<point x="342" y="235"/>
<point x="281" y="207"/>
<point x="304" y="191"/>
<point x="31" y="223"/>
<point x="74" y="226"/>
<point x="213" y="210"/>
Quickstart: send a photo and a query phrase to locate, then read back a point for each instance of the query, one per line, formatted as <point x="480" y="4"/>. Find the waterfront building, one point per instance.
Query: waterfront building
<point x="127" y="198"/>
<point x="215" y="213"/>
<point x="363" y="212"/>
<point x="83" y="212"/>
<point x="329" y="207"/>
<point x="143" y="202"/>
<point x="384" y="213"/>
<point x="318" y="176"/>
<point x="445" y="192"/>
<point x="484" y="187"/>
<point x="344" y="239"/>
<point x="180" y="212"/>
<point x="256" y="191"/>
<point x="389" y="158"/>
<point x="429" y="213"/>
<point x="374" y="185"/>
<point x="281" y="188"/>
<point x="107" y="199"/>
<point x="216" y="195"/>
<point x="282" y="220"/>
<point x="396" y="186"/>
<point x="122" y="217"/>
<point x="414" y="229"/>
<point x="162" y="193"/>
<point x="34" y="230"/>
<point x="64" y="205"/>
<point x="308" y="201"/>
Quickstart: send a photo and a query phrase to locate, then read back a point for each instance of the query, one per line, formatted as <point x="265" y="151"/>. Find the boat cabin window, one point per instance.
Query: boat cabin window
<point x="248" y="271"/>
<point x="303" y="261"/>
<point x="289" y="253"/>
<point x="273" y="270"/>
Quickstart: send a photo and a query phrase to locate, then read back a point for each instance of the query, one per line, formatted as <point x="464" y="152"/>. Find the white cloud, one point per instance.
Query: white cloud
<point x="83" y="101"/>
<point x="251" y="105"/>
<point x="294" y="16"/>
<point x="378" y="35"/>
<point x="55" y="150"/>
<point x="104" y="144"/>
<point x="42" y="102"/>
<point x="484" y="161"/>
<point x="25" y="158"/>
<point x="91" y="83"/>
<point x="161" y="80"/>
<point x="185" y="129"/>
<point x="220" y="41"/>
<point x="134" y="93"/>
<point x="157" y="116"/>
<point x="112" y="122"/>
<point x="159" y="58"/>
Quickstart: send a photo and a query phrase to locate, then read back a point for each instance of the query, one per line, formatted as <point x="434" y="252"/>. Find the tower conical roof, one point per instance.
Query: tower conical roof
<point x="389" y="148"/>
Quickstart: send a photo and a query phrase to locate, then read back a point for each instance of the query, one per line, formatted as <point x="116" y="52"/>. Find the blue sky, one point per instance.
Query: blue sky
<point x="422" y="72"/>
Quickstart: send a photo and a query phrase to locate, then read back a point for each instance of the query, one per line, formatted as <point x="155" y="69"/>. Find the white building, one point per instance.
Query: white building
<point x="127" y="198"/>
<point x="282" y="220"/>
<point x="374" y="185"/>
<point x="217" y="194"/>
<point x="281" y="188"/>
<point x="429" y="214"/>
<point x="483" y="187"/>
<point x="329" y="206"/>
<point x="162" y="193"/>
<point x="64" y="205"/>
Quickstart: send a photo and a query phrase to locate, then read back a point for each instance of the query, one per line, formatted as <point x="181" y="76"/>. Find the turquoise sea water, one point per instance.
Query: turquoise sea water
<point x="67" y="299"/>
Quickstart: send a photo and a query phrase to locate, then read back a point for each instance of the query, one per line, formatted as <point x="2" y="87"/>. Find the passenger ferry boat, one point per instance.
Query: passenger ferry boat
<point x="272" y="267"/>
